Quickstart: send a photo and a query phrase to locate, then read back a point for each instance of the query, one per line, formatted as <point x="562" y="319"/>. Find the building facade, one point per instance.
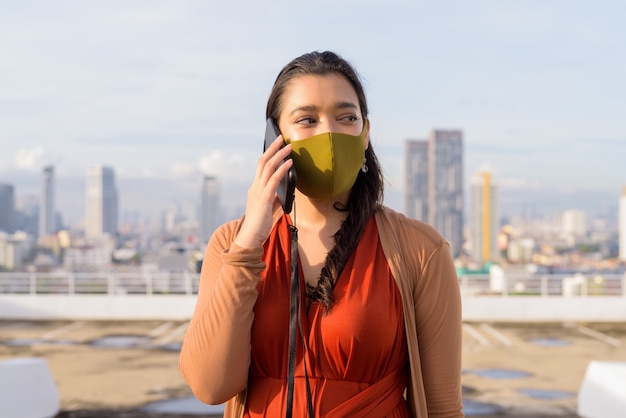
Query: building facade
<point x="27" y="214"/>
<point x="574" y="223"/>
<point x="101" y="215"/>
<point x="484" y="217"/>
<point x="622" y="225"/>
<point x="7" y="208"/>
<point x="416" y="179"/>
<point x="209" y="207"/>
<point x="445" y="185"/>
<point x="47" y="211"/>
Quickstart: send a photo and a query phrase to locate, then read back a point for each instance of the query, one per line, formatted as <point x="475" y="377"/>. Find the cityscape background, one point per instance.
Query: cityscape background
<point x="166" y="95"/>
<point x="130" y="130"/>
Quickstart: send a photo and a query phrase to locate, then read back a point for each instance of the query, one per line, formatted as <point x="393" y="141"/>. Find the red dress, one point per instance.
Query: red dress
<point x="356" y="356"/>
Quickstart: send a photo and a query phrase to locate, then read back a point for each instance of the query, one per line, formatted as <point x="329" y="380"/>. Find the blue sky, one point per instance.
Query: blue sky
<point x="164" y="91"/>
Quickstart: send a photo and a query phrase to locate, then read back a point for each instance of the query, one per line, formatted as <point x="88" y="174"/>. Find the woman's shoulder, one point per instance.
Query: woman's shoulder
<point x="226" y="233"/>
<point x="398" y="224"/>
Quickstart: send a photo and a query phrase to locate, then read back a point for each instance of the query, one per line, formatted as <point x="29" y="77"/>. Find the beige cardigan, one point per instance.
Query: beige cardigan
<point x="215" y="354"/>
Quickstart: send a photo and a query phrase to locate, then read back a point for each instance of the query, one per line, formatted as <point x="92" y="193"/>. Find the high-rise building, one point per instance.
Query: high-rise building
<point x="484" y="217"/>
<point x="416" y="179"/>
<point x="622" y="225"/>
<point x="209" y="207"/>
<point x="445" y="185"/>
<point x="7" y="208"/>
<point x="27" y="213"/>
<point x="102" y="205"/>
<point x="47" y="214"/>
<point x="574" y="223"/>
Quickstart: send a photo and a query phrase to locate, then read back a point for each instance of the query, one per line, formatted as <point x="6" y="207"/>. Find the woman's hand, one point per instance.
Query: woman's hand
<point x="257" y="223"/>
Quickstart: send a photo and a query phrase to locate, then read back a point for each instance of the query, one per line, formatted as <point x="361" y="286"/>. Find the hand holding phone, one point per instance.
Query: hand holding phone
<point x="287" y="186"/>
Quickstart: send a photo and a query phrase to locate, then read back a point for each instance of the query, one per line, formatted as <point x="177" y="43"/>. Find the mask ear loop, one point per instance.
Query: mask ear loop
<point x="295" y="326"/>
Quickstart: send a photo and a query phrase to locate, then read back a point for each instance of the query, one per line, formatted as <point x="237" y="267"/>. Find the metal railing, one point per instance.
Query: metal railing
<point x="186" y="283"/>
<point x="158" y="283"/>
<point x="545" y="285"/>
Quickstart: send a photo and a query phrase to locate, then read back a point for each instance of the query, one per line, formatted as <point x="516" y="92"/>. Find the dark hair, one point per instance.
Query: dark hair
<point x="366" y="195"/>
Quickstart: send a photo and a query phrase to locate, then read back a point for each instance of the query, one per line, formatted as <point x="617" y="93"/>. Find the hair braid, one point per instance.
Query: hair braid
<point x="367" y="193"/>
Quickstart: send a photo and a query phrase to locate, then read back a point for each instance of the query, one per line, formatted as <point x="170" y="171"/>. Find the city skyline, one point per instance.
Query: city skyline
<point x="177" y="91"/>
<point x="529" y="204"/>
<point x="101" y="205"/>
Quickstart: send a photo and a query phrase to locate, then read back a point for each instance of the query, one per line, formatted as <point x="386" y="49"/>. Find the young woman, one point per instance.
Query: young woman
<point x="378" y="332"/>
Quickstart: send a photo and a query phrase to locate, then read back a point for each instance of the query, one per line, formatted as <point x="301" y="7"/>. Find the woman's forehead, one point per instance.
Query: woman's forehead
<point x="312" y="90"/>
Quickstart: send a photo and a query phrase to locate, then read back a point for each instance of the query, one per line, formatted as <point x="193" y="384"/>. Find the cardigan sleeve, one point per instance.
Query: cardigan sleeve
<point x="422" y="265"/>
<point x="215" y="354"/>
<point x="438" y="321"/>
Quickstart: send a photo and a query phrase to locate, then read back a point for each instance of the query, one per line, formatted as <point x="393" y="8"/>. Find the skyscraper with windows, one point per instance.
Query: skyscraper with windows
<point x="484" y="217"/>
<point x="7" y="208"/>
<point x="416" y="179"/>
<point x="445" y="185"/>
<point x="209" y="207"/>
<point x="622" y="225"/>
<point x="101" y="213"/>
<point x="47" y="214"/>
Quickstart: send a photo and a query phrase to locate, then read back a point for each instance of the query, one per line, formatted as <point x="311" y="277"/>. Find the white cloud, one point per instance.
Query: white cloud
<point x="236" y="166"/>
<point x="28" y="159"/>
<point x="210" y="164"/>
<point x="174" y="78"/>
<point x="183" y="170"/>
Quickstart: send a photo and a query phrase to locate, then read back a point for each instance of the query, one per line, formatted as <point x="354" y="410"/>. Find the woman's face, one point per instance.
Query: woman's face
<point x="315" y="104"/>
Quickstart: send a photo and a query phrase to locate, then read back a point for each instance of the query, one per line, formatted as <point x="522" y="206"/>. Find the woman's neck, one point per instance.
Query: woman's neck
<point x="318" y="213"/>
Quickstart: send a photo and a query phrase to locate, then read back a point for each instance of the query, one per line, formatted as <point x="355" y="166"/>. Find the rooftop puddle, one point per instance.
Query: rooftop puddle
<point x="500" y="373"/>
<point x="35" y="341"/>
<point x="120" y="341"/>
<point x="472" y="408"/>
<point x="546" y="394"/>
<point x="183" y="406"/>
<point x="550" y="342"/>
<point x="171" y="346"/>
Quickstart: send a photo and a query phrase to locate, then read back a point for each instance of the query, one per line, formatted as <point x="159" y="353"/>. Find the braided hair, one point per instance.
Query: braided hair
<point x="366" y="196"/>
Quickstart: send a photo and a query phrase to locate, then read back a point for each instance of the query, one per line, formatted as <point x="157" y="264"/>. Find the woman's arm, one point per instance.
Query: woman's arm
<point x="215" y="355"/>
<point x="439" y="329"/>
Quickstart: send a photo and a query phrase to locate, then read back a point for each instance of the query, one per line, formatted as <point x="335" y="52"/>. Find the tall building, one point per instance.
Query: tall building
<point x="622" y="225"/>
<point x="27" y="213"/>
<point x="209" y="207"/>
<point x="7" y="208"/>
<point x="484" y="217"/>
<point x="574" y="223"/>
<point x="102" y="205"/>
<point x="445" y="185"/>
<point x="416" y="179"/>
<point x="47" y="214"/>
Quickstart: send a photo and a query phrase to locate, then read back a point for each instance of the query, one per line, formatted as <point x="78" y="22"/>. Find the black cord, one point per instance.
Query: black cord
<point x="294" y="290"/>
<point x="295" y="328"/>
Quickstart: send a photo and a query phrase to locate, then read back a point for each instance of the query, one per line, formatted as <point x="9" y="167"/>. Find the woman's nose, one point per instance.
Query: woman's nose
<point x="327" y="125"/>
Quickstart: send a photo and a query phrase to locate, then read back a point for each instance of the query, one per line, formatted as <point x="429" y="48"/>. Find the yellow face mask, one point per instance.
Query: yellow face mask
<point x="328" y="164"/>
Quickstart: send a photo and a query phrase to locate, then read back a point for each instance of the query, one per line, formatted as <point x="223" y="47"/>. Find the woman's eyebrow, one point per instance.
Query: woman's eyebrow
<point x="345" y="105"/>
<point x="307" y="108"/>
<point x="313" y="108"/>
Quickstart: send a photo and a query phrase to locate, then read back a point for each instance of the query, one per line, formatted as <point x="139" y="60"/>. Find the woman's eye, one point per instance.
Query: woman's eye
<point x="306" y="121"/>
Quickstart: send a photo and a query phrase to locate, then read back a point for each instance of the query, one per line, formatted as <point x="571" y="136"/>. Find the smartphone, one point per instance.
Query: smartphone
<point x="287" y="186"/>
